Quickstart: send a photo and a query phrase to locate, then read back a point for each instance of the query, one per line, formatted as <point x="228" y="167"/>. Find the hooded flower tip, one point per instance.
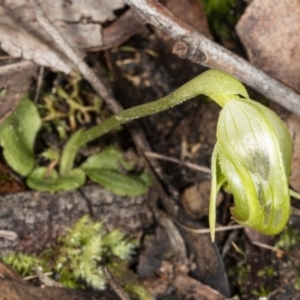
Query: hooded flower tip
<point x="254" y="154"/>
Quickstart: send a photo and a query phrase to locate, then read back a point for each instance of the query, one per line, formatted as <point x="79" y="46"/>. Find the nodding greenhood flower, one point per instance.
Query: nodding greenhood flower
<point x="252" y="160"/>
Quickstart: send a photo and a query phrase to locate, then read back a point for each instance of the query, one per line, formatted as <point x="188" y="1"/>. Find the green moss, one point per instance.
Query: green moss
<point x="22" y="263"/>
<point x="288" y="238"/>
<point x="79" y="256"/>
<point x="220" y="16"/>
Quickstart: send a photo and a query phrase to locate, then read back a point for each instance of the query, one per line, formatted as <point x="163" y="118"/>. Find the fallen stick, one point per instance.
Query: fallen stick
<point x="196" y="47"/>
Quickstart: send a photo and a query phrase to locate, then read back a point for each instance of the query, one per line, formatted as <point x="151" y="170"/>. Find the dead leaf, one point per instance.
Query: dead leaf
<point x="293" y="124"/>
<point x="78" y="21"/>
<point x="257" y="237"/>
<point x="15" y="79"/>
<point x="20" y="44"/>
<point x="130" y="22"/>
<point x="193" y="14"/>
<point x="205" y="257"/>
<point x="270" y="33"/>
<point x="194" y="289"/>
<point x="156" y="248"/>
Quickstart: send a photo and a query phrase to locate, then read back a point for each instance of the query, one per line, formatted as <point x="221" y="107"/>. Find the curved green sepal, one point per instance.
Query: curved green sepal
<point x="217" y="181"/>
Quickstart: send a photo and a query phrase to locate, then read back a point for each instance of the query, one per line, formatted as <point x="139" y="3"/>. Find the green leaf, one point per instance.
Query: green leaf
<point x="24" y="264"/>
<point x="17" y="137"/>
<point x="104" y="168"/>
<point x="51" y="154"/>
<point x="3" y="92"/>
<point x="119" y="184"/>
<point x="110" y="158"/>
<point x="41" y="179"/>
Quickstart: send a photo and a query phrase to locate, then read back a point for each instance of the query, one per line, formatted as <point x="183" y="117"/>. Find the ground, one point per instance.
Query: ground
<point x="172" y="260"/>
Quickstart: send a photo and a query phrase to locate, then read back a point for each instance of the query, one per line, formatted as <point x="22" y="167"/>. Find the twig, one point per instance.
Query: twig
<point x="84" y="69"/>
<point x="196" y="47"/>
<point x="177" y="161"/>
<point x="15" y="67"/>
<point x="265" y="246"/>
<point x="207" y="230"/>
<point x="292" y="254"/>
<point x="30" y="277"/>
<point x="39" y="84"/>
<point x="114" y="285"/>
<point x="8" y="235"/>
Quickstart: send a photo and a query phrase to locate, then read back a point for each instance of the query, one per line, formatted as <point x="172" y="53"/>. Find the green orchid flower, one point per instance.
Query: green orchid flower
<point x="252" y="160"/>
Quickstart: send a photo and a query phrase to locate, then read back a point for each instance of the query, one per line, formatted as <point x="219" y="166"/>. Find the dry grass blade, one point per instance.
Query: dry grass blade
<point x="114" y="285"/>
<point x="177" y="161"/>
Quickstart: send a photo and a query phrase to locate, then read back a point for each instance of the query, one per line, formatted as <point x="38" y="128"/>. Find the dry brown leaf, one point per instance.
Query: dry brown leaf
<point x="293" y="124"/>
<point x="270" y="33"/>
<point x="193" y="14"/>
<point x="195" y="289"/>
<point x="18" y="43"/>
<point x="78" y="21"/>
<point x="15" y="79"/>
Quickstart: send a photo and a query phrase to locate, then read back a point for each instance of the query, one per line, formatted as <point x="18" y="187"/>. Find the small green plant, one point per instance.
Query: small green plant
<point x="267" y="286"/>
<point x="108" y="168"/>
<point x="251" y="159"/>
<point x="80" y="255"/>
<point x="22" y="263"/>
<point x="220" y="15"/>
<point x="288" y="239"/>
<point x="239" y="272"/>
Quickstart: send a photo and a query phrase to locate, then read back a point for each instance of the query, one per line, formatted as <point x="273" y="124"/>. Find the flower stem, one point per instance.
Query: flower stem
<point x="213" y="83"/>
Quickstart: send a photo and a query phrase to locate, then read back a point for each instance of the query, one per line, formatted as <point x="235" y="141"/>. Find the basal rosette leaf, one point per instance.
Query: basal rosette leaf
<point x="109" y="158"/>
<point x="105" y="167"/>
<point x="119" y="184"/>
<point x="43" y="179"/>
<point x="17" y="137"/>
